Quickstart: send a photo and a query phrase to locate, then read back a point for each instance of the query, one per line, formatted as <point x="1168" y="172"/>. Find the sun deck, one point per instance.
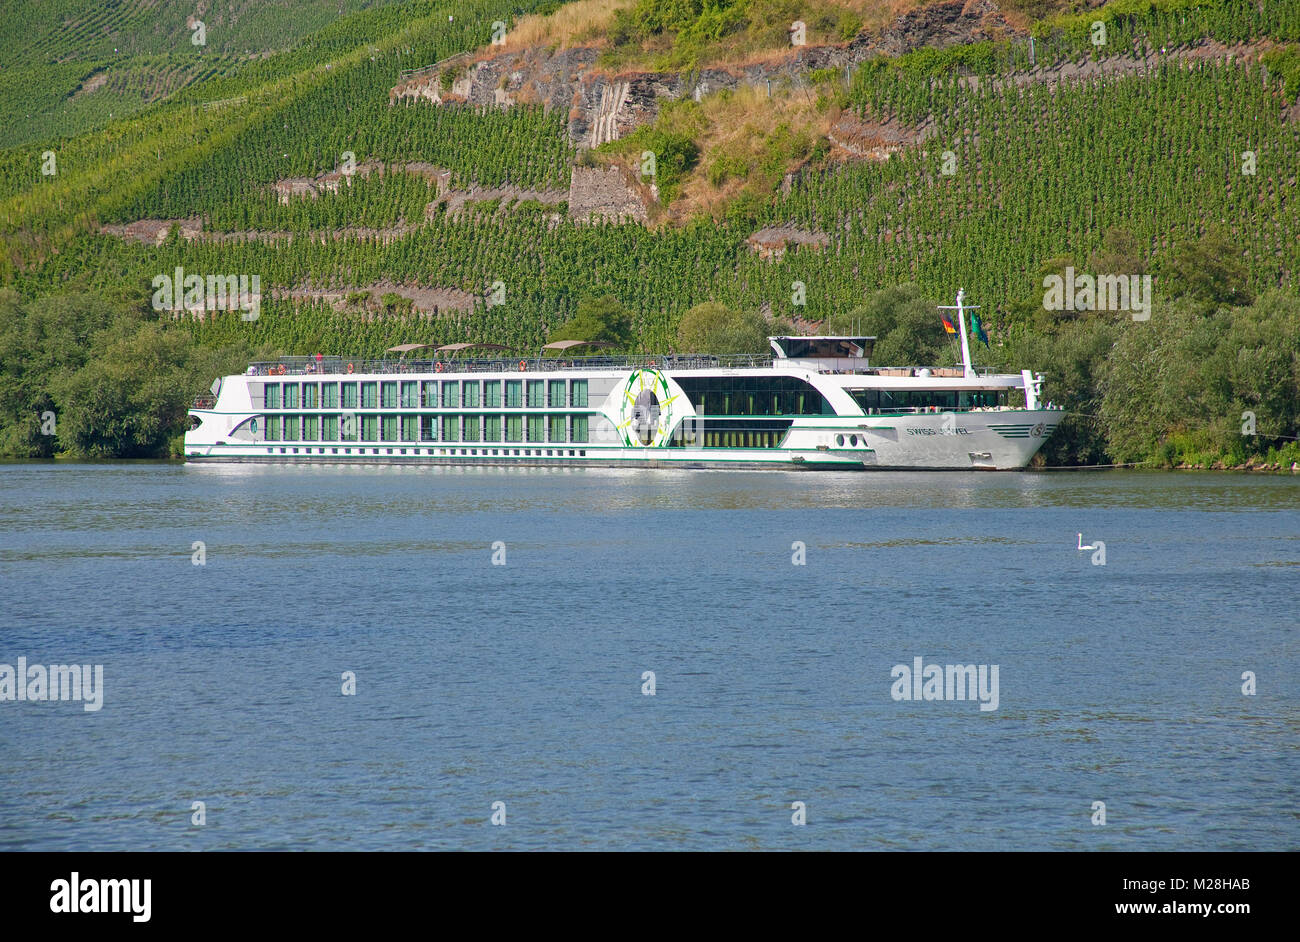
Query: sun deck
<point x="342" y="366"/>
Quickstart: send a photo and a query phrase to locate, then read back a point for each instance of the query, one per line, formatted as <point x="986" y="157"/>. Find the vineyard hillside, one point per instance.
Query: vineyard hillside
<point x="474" y="171"/>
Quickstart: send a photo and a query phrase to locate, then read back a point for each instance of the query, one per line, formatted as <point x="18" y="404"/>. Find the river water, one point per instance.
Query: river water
<point x="771" y="609"/>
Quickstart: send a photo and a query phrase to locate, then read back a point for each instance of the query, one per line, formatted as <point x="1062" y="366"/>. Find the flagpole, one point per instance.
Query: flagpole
<point x="961" y="325"/>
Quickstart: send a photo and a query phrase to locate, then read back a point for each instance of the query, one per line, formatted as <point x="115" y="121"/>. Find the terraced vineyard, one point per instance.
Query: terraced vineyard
<point x="72" y="66"/>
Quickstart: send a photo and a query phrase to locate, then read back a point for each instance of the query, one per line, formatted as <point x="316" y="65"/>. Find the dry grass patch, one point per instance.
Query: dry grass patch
<point x="574" y="24"/>
<point x="750" y="143"/>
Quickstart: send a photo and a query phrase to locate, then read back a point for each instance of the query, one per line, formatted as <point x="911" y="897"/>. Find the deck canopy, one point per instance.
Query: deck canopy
<point x="570" y="344"/>
<point x="407" y="347"/>
<point x="460" y="347"/>
<point x="816" y="348"/>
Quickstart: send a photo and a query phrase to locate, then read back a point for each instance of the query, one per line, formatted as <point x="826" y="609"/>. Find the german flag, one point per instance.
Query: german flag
<point x="947" y="325"/>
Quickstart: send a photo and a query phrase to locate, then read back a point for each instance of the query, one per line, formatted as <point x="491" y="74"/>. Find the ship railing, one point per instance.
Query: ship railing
<point x="205" y="401"/>
<point x="333" y="366"/>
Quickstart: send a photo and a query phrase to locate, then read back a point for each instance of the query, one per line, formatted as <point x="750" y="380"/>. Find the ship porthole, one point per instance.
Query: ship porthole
<point x="839" y="440"/>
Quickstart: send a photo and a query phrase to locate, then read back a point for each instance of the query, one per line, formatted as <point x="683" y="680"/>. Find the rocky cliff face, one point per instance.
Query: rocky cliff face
<point x="604" y="107"/>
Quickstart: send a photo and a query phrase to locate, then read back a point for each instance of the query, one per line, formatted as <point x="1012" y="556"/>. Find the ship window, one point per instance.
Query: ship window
<point x="389" y="428"/>
<point x="754" y="395"/>
<point x="272" y="428"/>
<point x="557" y="429"/>
<point x="311" y="428"/>
<point x="369" y="395"/>
<point x="429" y="393"/>
<point x="839" y="439"/>
<point x="410" y="394"/>
<point x="291" y="395"/>
<point x="537" y="428"/>
<point x="905" y="400"/>
<point x="555" y="394"/>
<point x="492" y="428"/>
<point x="492" y="393"/>
<point x="579" y="394"/>
<point x="536" y="394"/>
<point x="310" y="394"/>
<point x="329" y="395"/>
<point x="451" y="428"/>
<point x="580" y="428"/>
<point x="514" y="394"/>
<point x="410" y="428"/>
<point x="273" y="395"/>
<point x="329" y="429"/>
<point x="741" y="432"/>
<point x="471" y="395"/>
<point x="370" y="429"/>
<point x="291" y="428"/>
<point x="450" y="394"/>
<point x="349" y="395"/>
<point x="515" y="429"/>
<point x="471" y="428"/>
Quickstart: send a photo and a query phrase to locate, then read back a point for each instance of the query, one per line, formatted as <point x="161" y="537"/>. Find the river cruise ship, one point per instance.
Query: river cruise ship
<point x="813" y="403"/>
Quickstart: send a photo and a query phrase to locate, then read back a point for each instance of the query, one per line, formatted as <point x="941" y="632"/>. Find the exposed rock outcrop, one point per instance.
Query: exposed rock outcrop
<point x="605" y="193"/>
<point x="155" y="231"/>
<point x="429" y="300"/>
<point x="604" y="107"/>
<point x="773" y="243"/>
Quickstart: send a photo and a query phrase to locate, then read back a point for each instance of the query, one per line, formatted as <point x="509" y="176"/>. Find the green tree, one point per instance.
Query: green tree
<point x="1210" y="270"/>
<point x="712" y="327"/>
<point x="1119" y="254"/>
<point x="603" y="318"/>
<point x="41" y="342"/>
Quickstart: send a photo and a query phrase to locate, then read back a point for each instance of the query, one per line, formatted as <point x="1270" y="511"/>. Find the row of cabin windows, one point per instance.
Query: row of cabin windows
<point x="426" y="428"/>
<point x="906" y="400"/>
<point x="430" y="394"/>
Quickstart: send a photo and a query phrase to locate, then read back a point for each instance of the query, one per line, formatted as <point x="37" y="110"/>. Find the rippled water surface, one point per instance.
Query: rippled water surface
<point x="522" y="683"/>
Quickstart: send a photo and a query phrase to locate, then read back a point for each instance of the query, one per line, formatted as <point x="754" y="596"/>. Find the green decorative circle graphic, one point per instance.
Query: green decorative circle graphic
<point x="646" y="410"/>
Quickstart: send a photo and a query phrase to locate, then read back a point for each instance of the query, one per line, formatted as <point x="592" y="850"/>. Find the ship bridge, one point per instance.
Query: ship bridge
<point x="838" y="354"/>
